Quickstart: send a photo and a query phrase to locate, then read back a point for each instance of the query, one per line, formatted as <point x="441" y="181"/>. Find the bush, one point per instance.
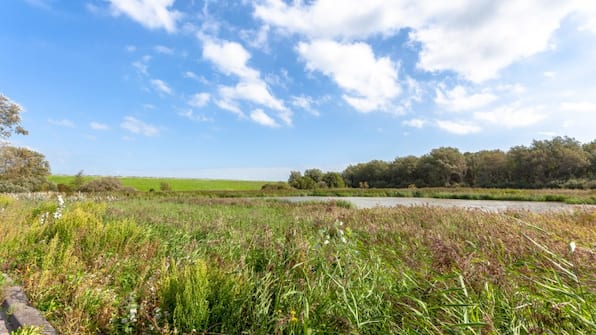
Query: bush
<point x="276" y="187"/>
<point x="107" y="184"/>
<point x="163" y="186"/>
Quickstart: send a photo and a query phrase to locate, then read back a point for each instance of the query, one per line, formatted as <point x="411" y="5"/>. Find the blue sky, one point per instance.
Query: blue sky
<point x="254" y="89"/>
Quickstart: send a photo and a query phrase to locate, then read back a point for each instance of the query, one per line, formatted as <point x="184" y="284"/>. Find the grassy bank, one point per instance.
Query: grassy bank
<point x="145" y="184"/>
<point x="239" y="188"/>
<point x="264" y="267"/>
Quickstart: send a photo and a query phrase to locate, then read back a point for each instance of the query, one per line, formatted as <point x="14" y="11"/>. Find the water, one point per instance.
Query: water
<point x="485" y="205"/>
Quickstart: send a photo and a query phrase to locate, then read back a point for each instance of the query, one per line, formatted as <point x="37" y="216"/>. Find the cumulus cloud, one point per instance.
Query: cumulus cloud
<point x="458" y="127"/>
<point x="99" y="126"/>
<point x="263" y="119"/>
<point x="199" y="99"/>
<point x="473" y="38"/>
<point x="370" y="83"/>
<point x="152" y="14"/>
<point x="231" y="58"/>
<point x="160" y="86"/>
<point x="458" y="99"/>
<point x="137" y="126"/>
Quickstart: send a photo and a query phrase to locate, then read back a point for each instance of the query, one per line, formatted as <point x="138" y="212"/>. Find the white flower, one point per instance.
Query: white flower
<point x="343" y="239"/>
<point x="326" y="242"/>
<point x="572" y="246"/>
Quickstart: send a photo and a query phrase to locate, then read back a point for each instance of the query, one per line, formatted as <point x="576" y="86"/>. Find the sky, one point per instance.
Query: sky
<point x="253" y="89"/>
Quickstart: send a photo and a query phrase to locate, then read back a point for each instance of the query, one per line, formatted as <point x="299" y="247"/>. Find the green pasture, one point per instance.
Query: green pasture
<point x="177" y="184"/>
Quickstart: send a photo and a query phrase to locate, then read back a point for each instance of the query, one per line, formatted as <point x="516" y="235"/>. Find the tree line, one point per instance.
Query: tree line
<point x="561" y="162"/>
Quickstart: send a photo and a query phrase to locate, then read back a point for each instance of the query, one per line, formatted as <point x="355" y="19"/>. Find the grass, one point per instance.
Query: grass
<point x="190" y="265"/>
<point x="177" y="184"/>
<point x="238" y="188"/>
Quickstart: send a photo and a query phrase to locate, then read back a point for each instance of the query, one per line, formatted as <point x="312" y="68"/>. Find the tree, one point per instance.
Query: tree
<point x="294" y="178"/>
<point x="22" y="170"/>
<point x="486" y="168"/>
<point x="334" y="180"/>
<point x="442" y="166"/>
<point x="403" y="171"/>
<point x="78" y="181"/>
<point x="10" y="118"/>
<point x="315" y="174"/>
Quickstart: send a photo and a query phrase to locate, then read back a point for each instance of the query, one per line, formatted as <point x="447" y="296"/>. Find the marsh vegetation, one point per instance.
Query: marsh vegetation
<point x="227" y="266"/>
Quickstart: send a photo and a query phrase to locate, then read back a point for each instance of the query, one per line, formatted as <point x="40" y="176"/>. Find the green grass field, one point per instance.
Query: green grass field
<point x="177" y="184"/>
<point x="188" y="265"/>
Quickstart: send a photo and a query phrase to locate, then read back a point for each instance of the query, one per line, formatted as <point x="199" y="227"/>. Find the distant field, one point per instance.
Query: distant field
<point x="177" y="184"/>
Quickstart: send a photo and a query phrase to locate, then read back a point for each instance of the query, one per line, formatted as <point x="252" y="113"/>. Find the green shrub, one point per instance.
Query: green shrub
<point x="106" y="184"/>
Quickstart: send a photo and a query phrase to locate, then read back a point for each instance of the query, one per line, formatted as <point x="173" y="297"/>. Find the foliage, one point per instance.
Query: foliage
<point x="164" y="186"/>
<point x="106" y="184"/>
<point x="196" y="265"/>
<point x="22" y="170"/>
<point x="10" y="118"/>
<point x="276" y="187"/>
<point x="559" y="162"/>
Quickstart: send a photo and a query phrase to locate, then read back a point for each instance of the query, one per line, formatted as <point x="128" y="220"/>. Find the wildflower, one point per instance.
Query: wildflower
<point x="293" y="317"/>
<point x="326" y="242"/>
<point x="572" y="246"/>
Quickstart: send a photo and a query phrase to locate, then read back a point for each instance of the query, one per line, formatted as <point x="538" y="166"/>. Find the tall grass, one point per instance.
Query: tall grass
<point x="231" y="266"/>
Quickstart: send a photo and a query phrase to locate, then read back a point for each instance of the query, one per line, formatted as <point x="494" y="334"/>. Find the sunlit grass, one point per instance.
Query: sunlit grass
<point x="177" y="184"/>
<point x="178" y="264"/>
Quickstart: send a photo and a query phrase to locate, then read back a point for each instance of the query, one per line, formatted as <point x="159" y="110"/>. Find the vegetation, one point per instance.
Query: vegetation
<point x="10" y="118"/>
<point x="145" y="184"/>
<point x="558" y="163"/>
<point x="21" y="169"/>
<point x="170" y="264"/>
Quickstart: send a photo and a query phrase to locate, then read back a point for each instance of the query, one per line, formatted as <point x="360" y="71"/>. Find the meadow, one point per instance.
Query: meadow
<point x="190" y="265"/>
<point x="195" y="265"/>
<point x="144" y="184"/>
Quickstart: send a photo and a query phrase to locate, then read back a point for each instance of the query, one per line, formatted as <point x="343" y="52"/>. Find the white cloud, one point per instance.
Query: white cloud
<point x="263" y="119"/>
<point x="142" y="65"/>
<point x="458" y="99"/>
<point x="99" y="126"/>
<point x="231" y="59"/>
<point x="137" y="126"/>
<point x="255" y="91"/>
<point x="257" y="38"/>
<point x="230" y="107"/>
<point x="189" y="114"/>
<point x="414" y="123"/>
<point x="370" y="83"/>
<point x="458" y="127"/>
<point x="163" y="50"/>
<point x="579" y="106"/>
<point x="305" y="103"/>
<point x="199" y="99"/>
<point x="473" y="38"/>
<point x="152" y="14"/>
<point x="160" y="86"/>
<point x="511" y="116"/>
<point x="130" y="48"/>
<point x="62" y="123"/>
